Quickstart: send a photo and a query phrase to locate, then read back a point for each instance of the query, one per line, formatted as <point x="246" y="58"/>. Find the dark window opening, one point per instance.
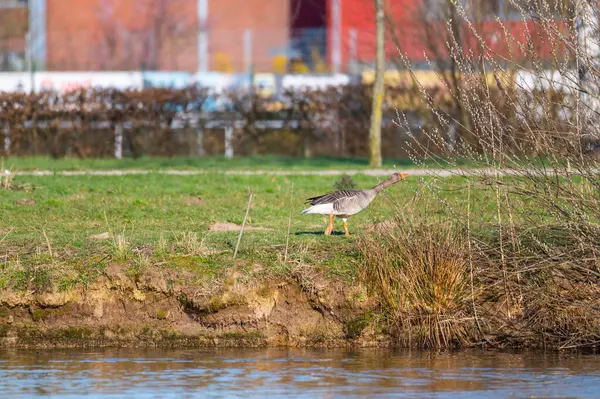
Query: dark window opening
<point x="308" y="32"/>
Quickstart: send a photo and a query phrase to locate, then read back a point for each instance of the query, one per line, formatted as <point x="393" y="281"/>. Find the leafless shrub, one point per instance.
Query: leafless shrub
<point x="532" y="215"/>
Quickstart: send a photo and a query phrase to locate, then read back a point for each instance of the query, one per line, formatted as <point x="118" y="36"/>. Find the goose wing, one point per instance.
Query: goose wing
<point x="332" y="197"/>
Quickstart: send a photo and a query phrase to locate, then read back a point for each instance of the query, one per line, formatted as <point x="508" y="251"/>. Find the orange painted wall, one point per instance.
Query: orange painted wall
<point x="121" y="34"/>
<point x="97" y="35"/>
<point x="13" y="27"/>
<point x="227" y="20"/>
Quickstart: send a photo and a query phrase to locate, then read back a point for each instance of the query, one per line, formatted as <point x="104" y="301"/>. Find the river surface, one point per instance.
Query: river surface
<point x="283" y="373"/>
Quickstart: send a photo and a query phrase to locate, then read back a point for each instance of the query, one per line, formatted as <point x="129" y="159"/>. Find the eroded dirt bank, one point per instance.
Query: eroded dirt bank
<point x="162" y="309"/>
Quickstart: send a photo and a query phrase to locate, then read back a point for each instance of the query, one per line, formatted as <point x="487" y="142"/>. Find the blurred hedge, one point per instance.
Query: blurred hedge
<point x="168" y="122"/>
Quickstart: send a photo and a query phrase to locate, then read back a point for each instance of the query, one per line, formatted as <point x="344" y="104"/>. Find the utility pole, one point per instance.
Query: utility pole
<point x="202" y="11"/>
<point x="336" y="47"/>
<point x="378" y="88"/>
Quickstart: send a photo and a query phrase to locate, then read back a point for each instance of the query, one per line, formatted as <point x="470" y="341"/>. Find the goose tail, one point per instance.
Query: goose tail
<point x="320" y="209"/>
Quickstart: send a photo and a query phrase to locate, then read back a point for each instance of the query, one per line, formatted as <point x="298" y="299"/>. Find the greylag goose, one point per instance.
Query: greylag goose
<point x="345" y="203"/>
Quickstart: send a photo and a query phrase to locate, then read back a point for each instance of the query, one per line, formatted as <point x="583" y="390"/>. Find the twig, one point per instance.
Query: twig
<point x="287" y="239"/>
<point x="48" y="243"/>
<point x="6" y="235"/>
<point x="501" y="243"/>
<point x="237" y="246"/>
<point x="471" y="254"/>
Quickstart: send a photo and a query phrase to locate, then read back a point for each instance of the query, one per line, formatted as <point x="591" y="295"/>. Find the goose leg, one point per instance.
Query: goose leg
<point x="329" y="229"/>
<point x="346" y="227"/>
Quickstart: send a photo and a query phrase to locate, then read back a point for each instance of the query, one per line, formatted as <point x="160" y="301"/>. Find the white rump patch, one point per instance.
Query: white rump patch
<point x="321" y="209"/>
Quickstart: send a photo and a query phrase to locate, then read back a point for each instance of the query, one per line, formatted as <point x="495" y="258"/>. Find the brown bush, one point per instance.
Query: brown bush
<point x="529" y="221"/>
<point x="82" y="123"/>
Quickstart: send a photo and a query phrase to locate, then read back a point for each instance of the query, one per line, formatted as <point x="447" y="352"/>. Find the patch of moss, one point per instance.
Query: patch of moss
<point x="20" y="280"/>
<point x="161" y="315"/>
<point x="170" y="334"/>
<point x="74" y="333"/>
<point x="229" y="282"/>
<point x="216" y="304"/>
<point x="4" y="312"/>
<point x="354" y="327"/>
<point x="4" y="330"/>
<point x="134" y="270"/>
<point x="317" y="336"/>
<point x="41" y="279"/>
<point x="36" y="335"/>
<point x="184" y="262"/>
<point x="244" y="337"/>
<point x="39" y="314"/>
<point x="264" y="291"/>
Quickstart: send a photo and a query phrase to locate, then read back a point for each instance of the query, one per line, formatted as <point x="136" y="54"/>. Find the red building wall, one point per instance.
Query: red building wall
<point x="269" y="22"/>
<point x="416" y="37"/>
<point x="13" y="27"/>
<point x="98" y="35"/>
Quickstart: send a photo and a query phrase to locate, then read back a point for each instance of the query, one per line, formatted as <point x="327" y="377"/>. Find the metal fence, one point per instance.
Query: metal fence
<point x="12" y="55"/>
<point x="116" y="48"/>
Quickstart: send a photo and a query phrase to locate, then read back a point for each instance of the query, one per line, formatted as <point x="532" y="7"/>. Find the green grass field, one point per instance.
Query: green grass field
<point x="53" y="222"/>
<point x="48" y="223"/>
<point x="263" y="162"/>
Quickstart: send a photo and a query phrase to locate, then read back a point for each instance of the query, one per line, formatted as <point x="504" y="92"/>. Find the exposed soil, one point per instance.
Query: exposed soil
<point x="161" y="309"/>
<point x="234" y="227"/>
<point x="101" y="236"/>
<point x="194" y="201"/>
<point x="25" y="201"/>
<point x="75" y="197"/>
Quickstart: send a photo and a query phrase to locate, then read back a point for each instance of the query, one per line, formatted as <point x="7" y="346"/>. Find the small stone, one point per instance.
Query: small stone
<point x="10" y="319"/>
<point x="139" y="295"/>
<point x="74" y="197"/>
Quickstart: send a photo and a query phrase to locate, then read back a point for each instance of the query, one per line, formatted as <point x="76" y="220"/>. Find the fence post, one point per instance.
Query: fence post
<point x="6" y="139"/>
<point x="200" y="141"/>
<point x="202" y="10"/>
<point x="228" y="143"/>
<point x="37" y="35"/>
<point x="248" y="51"/>
<point x="118" y="141"/>
<point x="336" y="51"/>
<point x="352" y="44"/>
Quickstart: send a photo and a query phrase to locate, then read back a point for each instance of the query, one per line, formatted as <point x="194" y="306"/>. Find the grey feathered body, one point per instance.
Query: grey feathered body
<point x="342" y="203"/>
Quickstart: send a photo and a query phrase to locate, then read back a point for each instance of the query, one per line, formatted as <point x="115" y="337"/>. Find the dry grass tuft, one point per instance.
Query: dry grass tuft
<point x="121" y="248"/>
<point x="190" y="243"/>
<point x="420" y="272"/>
<point x="6" y="177"/>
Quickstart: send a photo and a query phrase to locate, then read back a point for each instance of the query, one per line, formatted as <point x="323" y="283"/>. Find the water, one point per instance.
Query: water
<point x="279" y="373"/>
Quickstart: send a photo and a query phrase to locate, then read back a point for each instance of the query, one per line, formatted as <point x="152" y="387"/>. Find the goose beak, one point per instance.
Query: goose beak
<point x="403" y="175"/>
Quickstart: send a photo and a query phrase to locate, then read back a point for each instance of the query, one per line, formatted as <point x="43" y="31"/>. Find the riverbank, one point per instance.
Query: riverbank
<point x="147" y="260"/>
<point x="167" y="308"/>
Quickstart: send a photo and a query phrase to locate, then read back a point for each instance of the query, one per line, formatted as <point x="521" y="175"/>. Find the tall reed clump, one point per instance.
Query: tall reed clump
<point x="524" y="113"/>
<point x="419" y="270"/>
<point x="6" y="177"/>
